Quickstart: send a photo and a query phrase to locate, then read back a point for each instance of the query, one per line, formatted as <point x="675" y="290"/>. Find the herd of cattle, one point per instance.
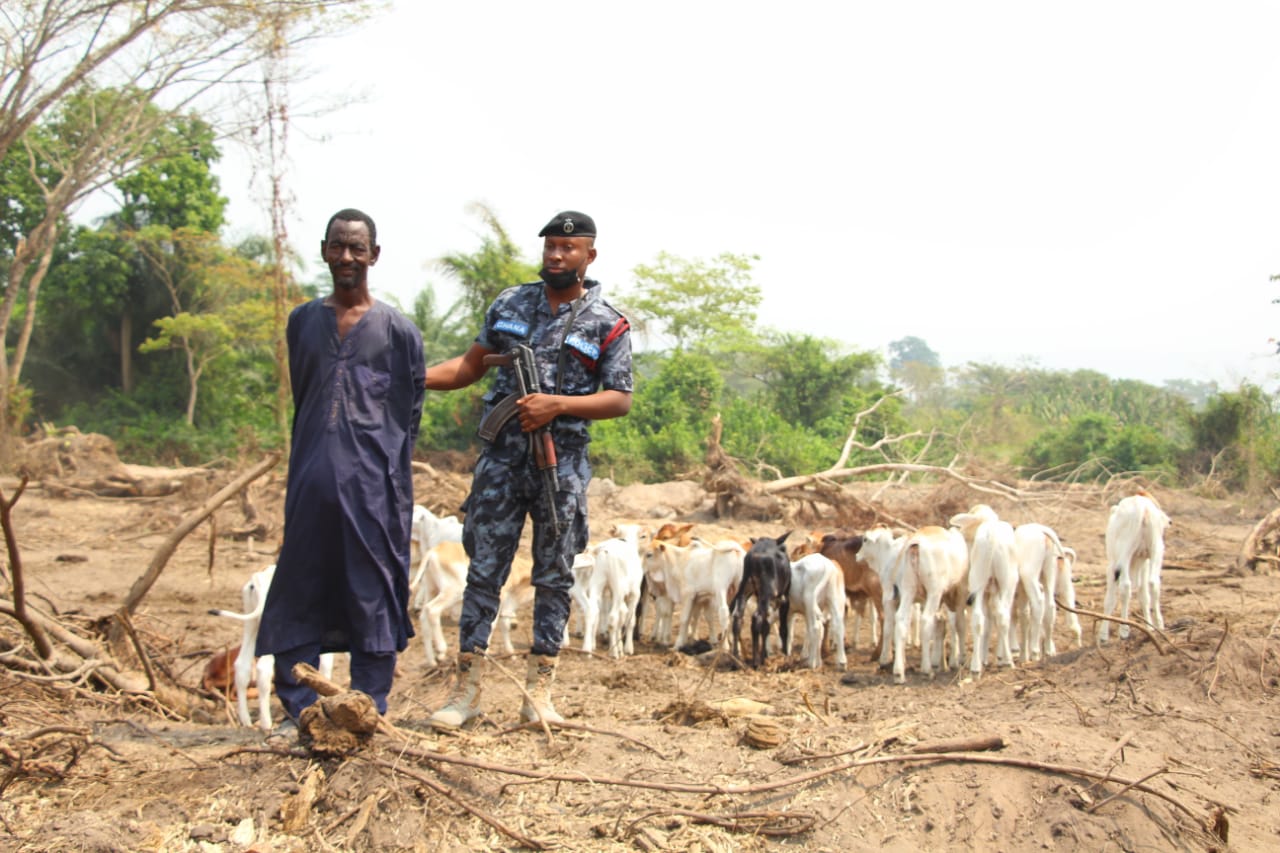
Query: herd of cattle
<point x="1004" y="583"/>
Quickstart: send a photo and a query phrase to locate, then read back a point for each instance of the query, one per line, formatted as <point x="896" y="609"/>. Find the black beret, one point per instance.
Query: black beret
<point x="569" y="223"/>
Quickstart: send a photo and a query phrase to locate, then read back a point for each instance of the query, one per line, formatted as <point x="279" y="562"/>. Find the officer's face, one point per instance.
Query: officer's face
<point x="567" y="254"/>
<point x="349" y="252"/>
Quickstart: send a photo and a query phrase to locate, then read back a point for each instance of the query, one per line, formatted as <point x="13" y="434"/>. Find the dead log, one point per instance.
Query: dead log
<point x="984" y="743"/>
<point x="341" y="720"/>
<point x="1249" y="556"/>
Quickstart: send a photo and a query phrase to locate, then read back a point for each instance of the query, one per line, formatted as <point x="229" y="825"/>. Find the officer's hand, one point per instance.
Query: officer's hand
<point x="537" y="410"/>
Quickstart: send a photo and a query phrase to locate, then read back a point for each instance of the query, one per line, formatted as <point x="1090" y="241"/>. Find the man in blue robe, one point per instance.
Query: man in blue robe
<point x="342" y="575"/>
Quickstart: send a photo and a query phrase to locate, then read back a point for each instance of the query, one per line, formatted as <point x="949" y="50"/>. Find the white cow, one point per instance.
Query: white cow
<point x="817" y="594"/>
<point x="440" y="590"/>
<point x="583" y="565"/>
<point x="934" y="568"/>
<point x="426" y="531"/>
<point x="993" y="583"/>
<point x="691" y="576"/>
<point x="1135" y="554"/>
<point x="617" y="571"/>
<point x="881" y="550"/>
<point x="1040" y="549"/>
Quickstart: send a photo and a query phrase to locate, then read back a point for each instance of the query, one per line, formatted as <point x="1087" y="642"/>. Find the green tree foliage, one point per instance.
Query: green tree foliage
<point x="175" y="186"/>
<point x="663" y="435"/>
<point x="1234" y="440"/>
<point x="916" y="367"/>
<point x="709" y="306"/>
<point x="158" y="265"/>
<point x="484" y="273"/>
<point x="80" y="87"/>
<point x="220" y="305"/>
<point x="104" y="294"/>
<point x="84" y="319"/>
<point x="1095" y="445"/>
<point x="449" y="420"/>
<point x="806" y="378"/>
<point x="444" y="333"/>
<point x="912" y="350"/>
<point x="1194" y="392"/>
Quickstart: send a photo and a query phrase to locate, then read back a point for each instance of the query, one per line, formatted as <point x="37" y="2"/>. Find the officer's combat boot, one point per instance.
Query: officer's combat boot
<point x="537" y="686"/>
<point x="464" y="701"/>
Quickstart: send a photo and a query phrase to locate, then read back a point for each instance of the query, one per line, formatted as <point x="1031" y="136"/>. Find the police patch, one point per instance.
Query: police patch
<point x="583" y="346"/>
<point x="515" y="327"/>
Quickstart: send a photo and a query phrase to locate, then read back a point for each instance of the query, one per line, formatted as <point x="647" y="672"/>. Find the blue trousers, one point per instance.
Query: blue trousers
<point x="502" y="497"/>
<point x="371" y="673"/>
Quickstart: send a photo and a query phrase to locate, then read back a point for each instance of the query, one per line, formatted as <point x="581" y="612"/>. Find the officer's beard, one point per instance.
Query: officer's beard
<point x="559" y="280"/>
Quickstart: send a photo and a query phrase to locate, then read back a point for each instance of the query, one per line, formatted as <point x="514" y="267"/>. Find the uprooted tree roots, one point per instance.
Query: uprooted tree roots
<point x="108" y="652"/>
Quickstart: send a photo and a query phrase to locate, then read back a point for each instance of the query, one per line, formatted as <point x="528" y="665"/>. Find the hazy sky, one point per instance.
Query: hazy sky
<point x="1085" y="185"/>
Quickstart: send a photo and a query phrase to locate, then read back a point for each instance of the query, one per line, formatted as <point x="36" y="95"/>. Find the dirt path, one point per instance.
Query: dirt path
<point x="657" y="763"/>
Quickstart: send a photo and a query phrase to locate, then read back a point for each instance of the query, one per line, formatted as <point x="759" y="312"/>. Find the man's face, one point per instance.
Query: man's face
<point x="567" y="254"/>
<point x="349" y="252"/>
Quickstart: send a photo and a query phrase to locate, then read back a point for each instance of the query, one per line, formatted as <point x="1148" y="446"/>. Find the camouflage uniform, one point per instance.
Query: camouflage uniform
<point x="585" y="347"/>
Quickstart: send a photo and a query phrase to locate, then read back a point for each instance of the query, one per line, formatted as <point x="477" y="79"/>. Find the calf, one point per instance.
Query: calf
<point x="676" y="534"/>
<point x="861" y="584"/>
<point x="617" y="571"/>
<point x="766" y="574"/>
<point x="442" y="585"/>
<point x="426" y="531"/>
<point x="993" y="582"/>
<point x="442" y="581"/>
<point x="253" y="595"/>
<point x="583" y="564"/>
<point x="882" y="551"/>
<point x="934" y="568"/>
<point x="1135" y="554"/>
<point x="693" y="577"/>
<point x="1040" y="551"/>
<point x="817" y="592"/>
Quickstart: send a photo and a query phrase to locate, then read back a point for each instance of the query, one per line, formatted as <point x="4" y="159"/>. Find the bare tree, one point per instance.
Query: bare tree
<point x="110" y="72"/>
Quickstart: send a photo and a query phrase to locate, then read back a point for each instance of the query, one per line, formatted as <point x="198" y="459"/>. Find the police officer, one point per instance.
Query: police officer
<point x="581" y="348"/>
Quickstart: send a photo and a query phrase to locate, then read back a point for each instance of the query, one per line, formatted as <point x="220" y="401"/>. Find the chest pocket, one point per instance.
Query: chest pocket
<point x="368" y="394"/>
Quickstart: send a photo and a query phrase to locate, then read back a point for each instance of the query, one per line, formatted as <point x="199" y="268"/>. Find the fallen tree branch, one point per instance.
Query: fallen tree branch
<point x="579" y="727"/>
<point x="144" y="583"/>
<point x="443" y="790"/>
<point x="767" y="824"/>
<point x="1100" y="803"/>
<point x="992" y="487"/>
<point x="730" y="790"/>
<point x="1155" y="635"/>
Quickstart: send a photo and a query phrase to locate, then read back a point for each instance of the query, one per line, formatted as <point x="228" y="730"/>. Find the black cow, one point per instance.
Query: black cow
<point x="766" y="574"/>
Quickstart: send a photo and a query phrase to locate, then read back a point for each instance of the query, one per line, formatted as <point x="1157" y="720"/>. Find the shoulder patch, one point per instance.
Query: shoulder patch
<point x="583" y="346"/>
<point x="514" y="327"/>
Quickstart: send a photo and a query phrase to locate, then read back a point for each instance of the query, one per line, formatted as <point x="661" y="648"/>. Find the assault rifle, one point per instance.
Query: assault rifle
<point x="542" y="446"/>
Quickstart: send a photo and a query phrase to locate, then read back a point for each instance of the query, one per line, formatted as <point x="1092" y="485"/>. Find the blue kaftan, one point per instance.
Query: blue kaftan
<point x="342" y="576"/>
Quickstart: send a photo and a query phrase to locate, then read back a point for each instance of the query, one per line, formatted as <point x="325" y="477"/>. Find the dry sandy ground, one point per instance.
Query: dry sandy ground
<point x="658" y="760"/>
